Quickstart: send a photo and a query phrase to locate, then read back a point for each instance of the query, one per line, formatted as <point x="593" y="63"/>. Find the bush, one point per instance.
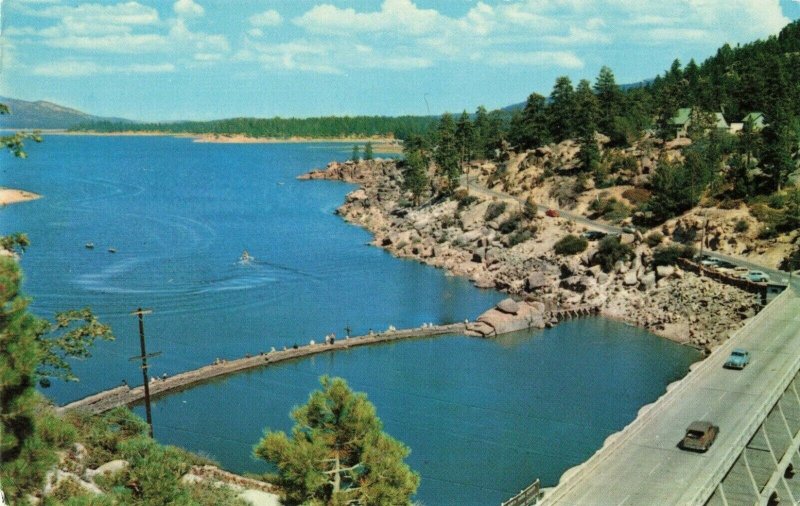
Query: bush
<point x="511" y="224"/>
<point x="610" y="209"/>
<point x="570" y="245"/>
<point x="464" y="199"/>
<point x="519" y="237"/>
<point x="741" y="226"/>
<point x="636" y="196"/>
<point x="494" y="210"/>
<point x="610" y="251"/>
<point x="669" y="255"/>
<point x="654" y="239"/>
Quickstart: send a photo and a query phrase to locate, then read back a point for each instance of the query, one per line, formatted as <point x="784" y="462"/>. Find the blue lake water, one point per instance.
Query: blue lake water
<point x="483" y="418"/>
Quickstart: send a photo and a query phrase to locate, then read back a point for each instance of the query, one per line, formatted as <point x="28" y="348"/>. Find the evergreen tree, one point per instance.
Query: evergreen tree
<point x="368" y="154"/>
<point x="780" y="141"/>
<point x="338" y="453"/>
<point x="415" y="174"/>
<point x="529" y="128"/>
<point x="465" y="138"/>
<point x="481" y="128"/>
<point x="561" y="111"/>
<point x="586" y="113"/>
<point x="356" y="155"/>
<point x="610" y="102"/>
<point x="446" y="155"/>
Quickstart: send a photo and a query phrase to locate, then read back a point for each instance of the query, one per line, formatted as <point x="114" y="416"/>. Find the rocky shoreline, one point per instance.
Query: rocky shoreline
<point x="465" y="238"/>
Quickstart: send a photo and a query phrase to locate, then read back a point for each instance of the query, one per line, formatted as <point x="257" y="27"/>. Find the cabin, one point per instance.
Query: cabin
<point x="683" y="119"/>
<point x="757" y="118"/>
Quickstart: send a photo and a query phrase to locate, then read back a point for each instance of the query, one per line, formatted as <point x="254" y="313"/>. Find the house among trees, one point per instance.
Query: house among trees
<point x="757" y="119"/>
<point x="683" y="119"/>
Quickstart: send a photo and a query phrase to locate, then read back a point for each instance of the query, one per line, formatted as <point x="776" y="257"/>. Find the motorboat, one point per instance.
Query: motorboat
<point x="89" y="245"/>
<point x="112" y="250"/>
<point x="245" y="258"/>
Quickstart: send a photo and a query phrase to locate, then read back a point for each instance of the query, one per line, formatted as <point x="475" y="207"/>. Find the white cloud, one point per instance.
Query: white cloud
<point x="399" y="16"/>
<point x="76" y="68"/>
<point x="564" y="59"/>
<point x="128" y="13"/>
<point x="188" y="9"/>
<point x="266" y="18"/>
<point x="126" y="43"/>
<point x="255" y="32"/>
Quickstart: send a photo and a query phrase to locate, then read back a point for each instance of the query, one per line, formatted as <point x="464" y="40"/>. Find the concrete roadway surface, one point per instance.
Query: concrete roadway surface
<point x="775" y="275"/>
<point x="644" y="464"/>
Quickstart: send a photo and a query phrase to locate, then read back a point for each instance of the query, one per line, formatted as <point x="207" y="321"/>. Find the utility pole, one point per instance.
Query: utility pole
<point x="143" y="357"/>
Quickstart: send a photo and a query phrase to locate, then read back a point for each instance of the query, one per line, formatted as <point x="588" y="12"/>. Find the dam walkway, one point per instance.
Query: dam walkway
<point x="124" y="395"/>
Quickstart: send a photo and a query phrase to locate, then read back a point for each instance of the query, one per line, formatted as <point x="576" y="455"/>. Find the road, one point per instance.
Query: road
<point x="645" y="466"/>
<point x="775" y="275"/>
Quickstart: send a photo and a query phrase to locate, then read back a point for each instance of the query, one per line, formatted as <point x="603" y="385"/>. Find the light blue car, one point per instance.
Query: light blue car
<point x="738" y="360"/>
<point x="757" y="277"/>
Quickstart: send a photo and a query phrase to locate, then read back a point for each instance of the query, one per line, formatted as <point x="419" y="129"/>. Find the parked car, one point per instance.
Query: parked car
<point x="699" y="436"/>
<point x="757" y="277"/>
<point x="738" y="360"/>
<point x="628" y="229"/>
<point x="724" y="264"/>
<point x="709" y="261"/>
<point x="551" y="213"/>
<point x="593" y="235"/>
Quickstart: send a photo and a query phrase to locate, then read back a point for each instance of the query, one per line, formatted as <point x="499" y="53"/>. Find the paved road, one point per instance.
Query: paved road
<point x="776" y="275"/>
<point x="645" y="466"/>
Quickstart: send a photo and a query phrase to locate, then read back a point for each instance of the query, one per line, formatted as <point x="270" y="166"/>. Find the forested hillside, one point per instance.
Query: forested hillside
<point x="322" y="127"/>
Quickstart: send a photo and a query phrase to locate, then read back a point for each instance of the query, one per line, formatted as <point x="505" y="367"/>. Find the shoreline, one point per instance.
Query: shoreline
<point x="380" y="144"/>
<point x="669" y="302"/>
<point x="14" y="196"/>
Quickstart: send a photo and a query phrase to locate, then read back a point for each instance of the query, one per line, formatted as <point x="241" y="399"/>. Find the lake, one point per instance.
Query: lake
<point x="482" y="417"/>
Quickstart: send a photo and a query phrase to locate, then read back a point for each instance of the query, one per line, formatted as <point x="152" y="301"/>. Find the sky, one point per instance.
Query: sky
<point x="206" y="59"/>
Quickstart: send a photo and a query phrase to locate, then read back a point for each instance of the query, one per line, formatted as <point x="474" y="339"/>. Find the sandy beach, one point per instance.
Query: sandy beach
<point x="12" y="196"/>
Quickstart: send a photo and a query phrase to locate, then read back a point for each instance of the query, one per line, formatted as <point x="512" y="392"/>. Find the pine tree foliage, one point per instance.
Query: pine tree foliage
<point x="338" y="453"/>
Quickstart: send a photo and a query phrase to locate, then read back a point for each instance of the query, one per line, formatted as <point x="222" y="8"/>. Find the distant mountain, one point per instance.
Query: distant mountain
<point x="624" y="87"/>
<point x="45" y="115"/>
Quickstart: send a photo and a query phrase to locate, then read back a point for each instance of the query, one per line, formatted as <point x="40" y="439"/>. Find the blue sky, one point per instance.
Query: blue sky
<point x="205" y="59"/>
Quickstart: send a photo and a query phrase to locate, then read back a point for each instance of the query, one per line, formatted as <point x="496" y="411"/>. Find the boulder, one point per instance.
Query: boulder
<point x="648" y="280"/>
<point x="508" y="305"/>
<point x="536" y="281"/>
<point x="112" y="467"/>
<point x="627" y="239"/>
<point x="665" y="271"/>
<point x="357" y="195"/>
<point x="630" y="278"/>
<point x="495" y="322"/>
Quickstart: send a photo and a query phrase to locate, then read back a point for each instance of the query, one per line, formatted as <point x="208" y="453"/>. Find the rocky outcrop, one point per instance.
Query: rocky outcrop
<point x="513" y="252"/>
<point x="508" y="316"/>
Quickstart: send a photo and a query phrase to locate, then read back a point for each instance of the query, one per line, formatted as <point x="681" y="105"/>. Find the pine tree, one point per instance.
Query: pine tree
<point x="529" y="128"/>
<point x="415" y="174"/>
<point x="338" y="452"/>
<point x="481" y="129"/>
<point x="465" y="138"/>
<point x="561" y="111"/>
<point x="586" y="114"/>
<point x="610" y="102"/>
<point x="356" y="155"/>
<point x="368" y="154"/>
<point x="446" y="155"/>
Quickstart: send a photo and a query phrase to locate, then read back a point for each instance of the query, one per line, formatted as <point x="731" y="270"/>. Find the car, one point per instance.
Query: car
<point x="709" y="261"/>
<point x="757" y="277"/>
<point x="738" y="360"/>
<point x="723" y="264"/>
<point x="699" y="436"/>
<point x="628" y="229"/>
<point x="551" y="213"/>
<point x="593" y="235"/>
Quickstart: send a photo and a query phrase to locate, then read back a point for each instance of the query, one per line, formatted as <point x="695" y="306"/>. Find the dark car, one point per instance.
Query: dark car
<point x="593" y="235"/>
<point x="551" y="213"/>
<point x="699" y="436"/>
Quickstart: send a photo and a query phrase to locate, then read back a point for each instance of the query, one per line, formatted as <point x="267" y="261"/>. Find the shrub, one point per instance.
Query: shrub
<point x="519" y="237"/>
<point x="610" y="251"/>
<point x="654" y="239"/>
<point x="494" y="210"/>
<point x="636" y="196"/>
<point x="669" y="255"/>
<point x="741" y="226"/>
<point x="570" y="245"/>
<point x="610" y="209"/>
<point x="511" y="224"/>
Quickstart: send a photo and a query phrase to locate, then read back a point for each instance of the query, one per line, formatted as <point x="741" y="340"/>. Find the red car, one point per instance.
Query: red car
<point x="551" y="213"/>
